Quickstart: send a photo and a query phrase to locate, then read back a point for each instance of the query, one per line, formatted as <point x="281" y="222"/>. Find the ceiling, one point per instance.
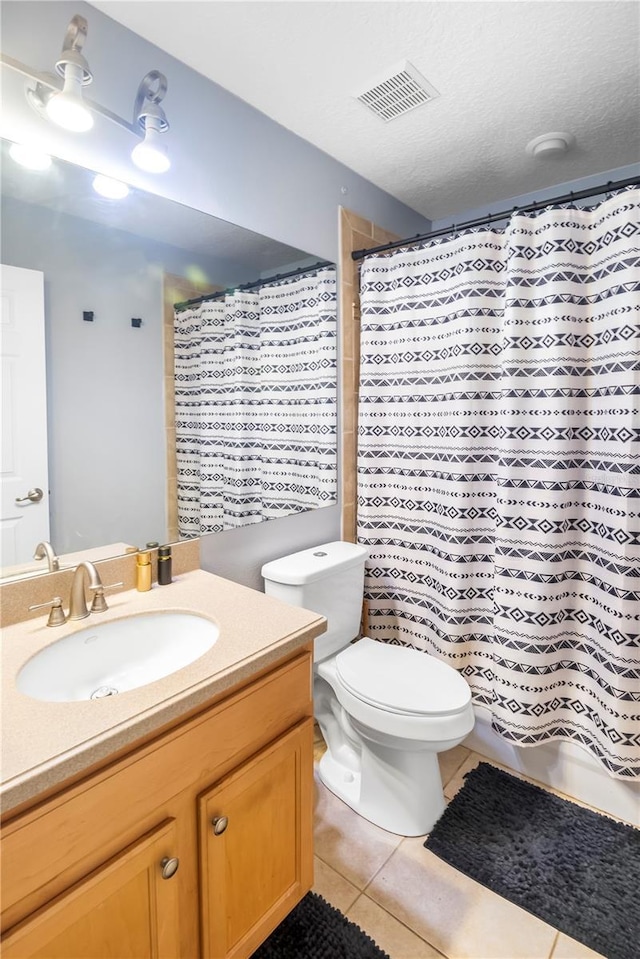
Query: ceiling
<point x="506" y="72"/>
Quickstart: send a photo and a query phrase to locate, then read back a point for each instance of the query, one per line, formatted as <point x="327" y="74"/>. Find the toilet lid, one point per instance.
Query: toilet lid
<point x="401" y="680"/>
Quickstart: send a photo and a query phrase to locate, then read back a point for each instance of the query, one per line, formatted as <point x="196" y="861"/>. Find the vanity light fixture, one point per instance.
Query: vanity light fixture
<point x="110" y="188"/>
<point x="68" y="108"/>
<point x="29" y="157"/>
<point x="151" y="155"/>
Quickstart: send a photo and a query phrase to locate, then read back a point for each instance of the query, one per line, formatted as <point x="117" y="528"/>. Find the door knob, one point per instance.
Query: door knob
<point x="169" y="867"/>
<point x="219" y="824"/>
<point x="33" y="496"/>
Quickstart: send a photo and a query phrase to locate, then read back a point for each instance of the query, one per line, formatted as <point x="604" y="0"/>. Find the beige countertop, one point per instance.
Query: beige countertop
<point x="44" y="743"/>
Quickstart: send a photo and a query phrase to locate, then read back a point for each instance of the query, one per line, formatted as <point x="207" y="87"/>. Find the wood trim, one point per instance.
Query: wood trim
<point x="356" y="233"/>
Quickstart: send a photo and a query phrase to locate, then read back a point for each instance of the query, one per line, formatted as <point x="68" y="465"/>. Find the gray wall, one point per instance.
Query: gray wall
<point x="228" y="160"/>
<point x="540" y="196"/>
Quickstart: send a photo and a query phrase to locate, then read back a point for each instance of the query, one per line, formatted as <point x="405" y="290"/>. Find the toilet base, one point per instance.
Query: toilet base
<point x="400" y="791"/>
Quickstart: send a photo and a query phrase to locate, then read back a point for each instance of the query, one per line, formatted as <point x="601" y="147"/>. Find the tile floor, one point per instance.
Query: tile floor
<point x="410" y="902"/>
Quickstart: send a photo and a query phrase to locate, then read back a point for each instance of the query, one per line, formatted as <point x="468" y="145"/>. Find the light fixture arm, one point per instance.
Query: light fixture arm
<point x="151" y="93"/>
<point x="72" y="49"/>
<point x="47" y="84"/>
<point x="68" y="108"/>
<point x="146" y="92"/>
<point x="46" y="79"/>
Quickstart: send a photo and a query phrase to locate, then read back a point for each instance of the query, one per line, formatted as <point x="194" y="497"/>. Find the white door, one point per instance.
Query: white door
<point x="24" y="479"/>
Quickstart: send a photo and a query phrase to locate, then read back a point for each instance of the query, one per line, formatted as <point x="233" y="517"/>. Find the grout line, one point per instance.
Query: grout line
<point x="456" y="770"/>
<point x="347" y="911"/>
<point x="335" y="868"/>
<point x="392" y="853"/>
<point x="553" y="947"/>
<point x="399" y="921"/>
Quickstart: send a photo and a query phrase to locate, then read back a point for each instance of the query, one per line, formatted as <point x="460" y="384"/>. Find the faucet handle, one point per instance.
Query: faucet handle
<point x="45" y="550"/>
<point x="99" y="603"/>
<point x="56" y="616"/>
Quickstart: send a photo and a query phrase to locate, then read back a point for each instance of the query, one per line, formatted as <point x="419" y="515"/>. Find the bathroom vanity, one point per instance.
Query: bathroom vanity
<point x="174" y="820"/>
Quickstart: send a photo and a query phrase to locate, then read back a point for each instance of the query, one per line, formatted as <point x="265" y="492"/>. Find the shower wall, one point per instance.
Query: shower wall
<point x="562" y="765"/>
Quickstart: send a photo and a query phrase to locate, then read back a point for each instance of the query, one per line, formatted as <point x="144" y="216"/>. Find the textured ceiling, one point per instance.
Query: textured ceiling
<point x="506" y="72"/>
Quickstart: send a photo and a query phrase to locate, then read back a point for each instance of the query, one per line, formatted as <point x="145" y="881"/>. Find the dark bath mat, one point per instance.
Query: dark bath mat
<point x="574" y="868"/>
<point x="315" y="930"/>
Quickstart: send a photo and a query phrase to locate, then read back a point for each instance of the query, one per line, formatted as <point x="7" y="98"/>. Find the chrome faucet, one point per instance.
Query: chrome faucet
<point x="77" y="602"/>
<point x="46" y="549"/>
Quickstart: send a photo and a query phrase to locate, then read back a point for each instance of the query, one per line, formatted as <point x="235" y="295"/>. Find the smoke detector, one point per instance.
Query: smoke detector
<point x="550" y="145"/>
<point x="400" y="89"/>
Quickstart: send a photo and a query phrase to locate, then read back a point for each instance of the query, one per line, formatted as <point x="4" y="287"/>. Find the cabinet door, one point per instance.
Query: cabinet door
<point x="123" y="910"/>
<point x="256" y="843"/>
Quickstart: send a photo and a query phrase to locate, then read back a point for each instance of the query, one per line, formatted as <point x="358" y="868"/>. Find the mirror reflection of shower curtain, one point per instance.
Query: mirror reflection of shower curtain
<point x="298" y="393"/>
<point x="255" y="394"/>
<point x="499" y="470"/>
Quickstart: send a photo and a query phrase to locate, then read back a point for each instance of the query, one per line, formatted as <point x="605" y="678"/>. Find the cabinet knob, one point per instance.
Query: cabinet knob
<point x="219" y="824"/>
<point x="169" y="867"/>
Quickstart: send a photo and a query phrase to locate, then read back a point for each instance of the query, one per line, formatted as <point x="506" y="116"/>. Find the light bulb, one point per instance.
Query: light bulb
<point x="30" y="157"/>
<point x="151" y="154"/>
<point x="110" y="188"/>
<point x="67" y="109"/>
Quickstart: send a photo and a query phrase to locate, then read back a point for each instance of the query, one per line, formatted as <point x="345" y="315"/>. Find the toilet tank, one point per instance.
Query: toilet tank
<point x="328" y="580"/>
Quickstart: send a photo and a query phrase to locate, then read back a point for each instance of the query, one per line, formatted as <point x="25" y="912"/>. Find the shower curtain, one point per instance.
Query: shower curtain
<point x="255" y="400"/>
<point x="498" y="468"/>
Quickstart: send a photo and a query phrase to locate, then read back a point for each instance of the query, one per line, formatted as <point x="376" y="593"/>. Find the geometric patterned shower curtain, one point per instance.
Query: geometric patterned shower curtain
<point x="499" y="468"/>
<point x="298" y="383"/>
<point x="255" y="404"/>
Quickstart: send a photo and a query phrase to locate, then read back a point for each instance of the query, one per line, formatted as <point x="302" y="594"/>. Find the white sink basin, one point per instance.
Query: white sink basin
<point x="109" y="658"/>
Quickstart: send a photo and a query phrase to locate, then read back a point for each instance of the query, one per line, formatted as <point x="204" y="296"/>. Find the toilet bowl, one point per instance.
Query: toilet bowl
<point x="385" y="711"/>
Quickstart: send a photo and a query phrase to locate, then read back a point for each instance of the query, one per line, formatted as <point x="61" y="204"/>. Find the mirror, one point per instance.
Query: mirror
<point x="107" y="266"/>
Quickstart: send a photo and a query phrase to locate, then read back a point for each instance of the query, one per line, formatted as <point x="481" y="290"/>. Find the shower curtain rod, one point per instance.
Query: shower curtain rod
<point x="493" y="217"/>
<point x="301" y="270"/>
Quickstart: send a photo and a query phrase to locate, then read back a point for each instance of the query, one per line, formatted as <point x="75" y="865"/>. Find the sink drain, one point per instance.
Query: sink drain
<point x="103" y="691"/>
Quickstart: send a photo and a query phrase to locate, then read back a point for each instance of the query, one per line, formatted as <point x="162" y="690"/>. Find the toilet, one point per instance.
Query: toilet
<point x="385" y="711"/>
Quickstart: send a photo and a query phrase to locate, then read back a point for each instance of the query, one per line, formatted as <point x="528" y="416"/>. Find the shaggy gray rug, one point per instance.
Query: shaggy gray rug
<point x="315" y="930"/>
<point x="574" y="868"/>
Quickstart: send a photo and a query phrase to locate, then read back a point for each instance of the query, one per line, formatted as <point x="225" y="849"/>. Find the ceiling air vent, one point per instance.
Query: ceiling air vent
<point x="399" y="90"/>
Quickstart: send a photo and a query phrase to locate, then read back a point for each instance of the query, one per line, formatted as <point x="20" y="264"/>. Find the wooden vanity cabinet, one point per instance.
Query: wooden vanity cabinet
<point x="197" y="843"/>
<point x="123" y="908"/>
<point x="253" y="868"/>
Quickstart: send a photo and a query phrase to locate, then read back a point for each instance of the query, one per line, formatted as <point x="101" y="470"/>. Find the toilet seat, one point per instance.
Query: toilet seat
<point x="400" y="680"/>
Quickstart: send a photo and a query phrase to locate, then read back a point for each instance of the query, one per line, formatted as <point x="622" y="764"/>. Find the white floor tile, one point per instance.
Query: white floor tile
<point x="348" y="843"/>
<point x="390" y="934"/>
<point x="567" y="948"/>
<point x="461" y="918"/>
<point x="333" y="887"/>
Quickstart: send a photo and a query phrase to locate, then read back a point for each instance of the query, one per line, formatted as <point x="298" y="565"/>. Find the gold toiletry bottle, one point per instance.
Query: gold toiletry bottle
<point x="143" y="571"/>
